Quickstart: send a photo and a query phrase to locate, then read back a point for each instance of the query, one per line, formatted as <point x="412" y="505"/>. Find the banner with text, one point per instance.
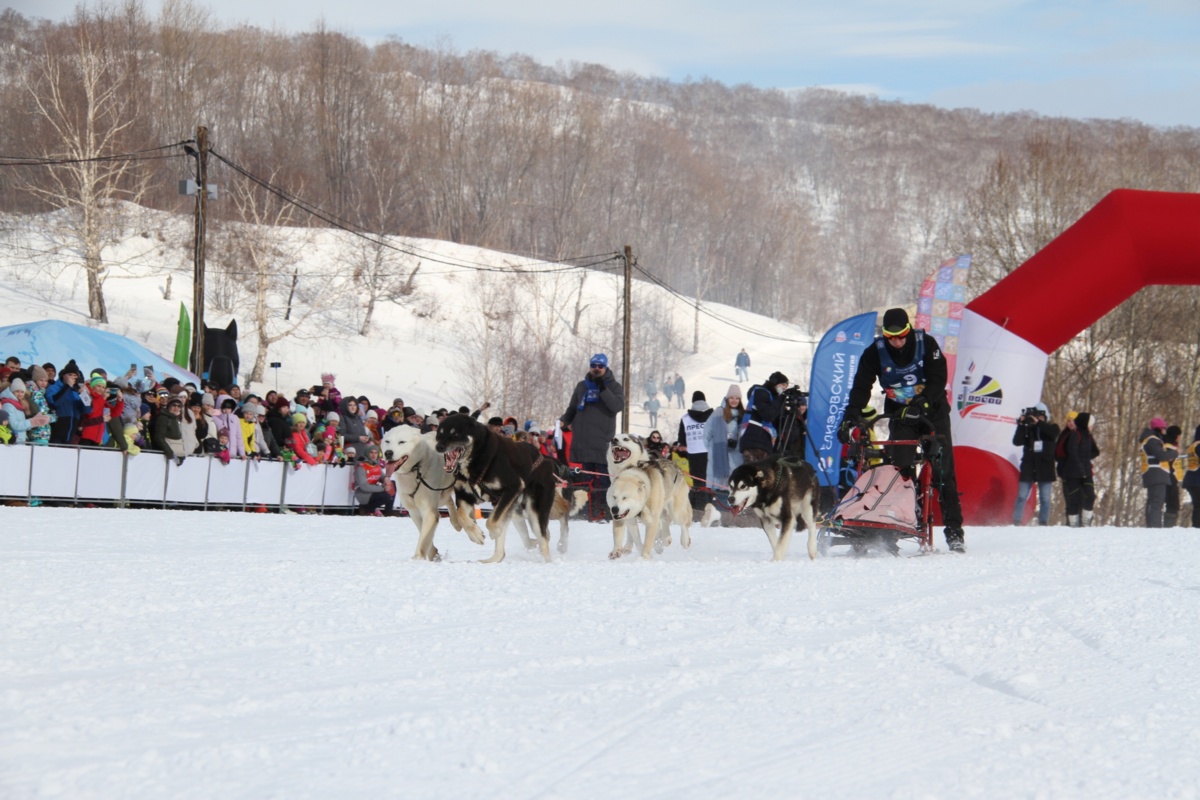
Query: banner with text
<point x="835" y="361"/>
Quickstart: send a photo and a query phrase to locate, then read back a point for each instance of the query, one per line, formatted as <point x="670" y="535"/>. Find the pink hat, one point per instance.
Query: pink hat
<point x="1158" y="423"/>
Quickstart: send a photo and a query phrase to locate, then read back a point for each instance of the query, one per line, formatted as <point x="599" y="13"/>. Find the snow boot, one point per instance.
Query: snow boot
<point x="954" y="540"/>
<point x="1073" y="521"/>
<point x="1169" y="520"/>
<point x="1086" y="519"/>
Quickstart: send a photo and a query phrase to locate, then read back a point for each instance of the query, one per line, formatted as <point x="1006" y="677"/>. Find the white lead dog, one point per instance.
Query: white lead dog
<point x="423" y="486"/>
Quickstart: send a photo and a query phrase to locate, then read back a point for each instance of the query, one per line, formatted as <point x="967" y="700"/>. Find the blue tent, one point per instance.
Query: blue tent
<point x="57" y="342"/>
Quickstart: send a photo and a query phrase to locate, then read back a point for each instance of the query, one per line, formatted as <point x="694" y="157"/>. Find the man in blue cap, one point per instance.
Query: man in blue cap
<point x="591" y="417"/>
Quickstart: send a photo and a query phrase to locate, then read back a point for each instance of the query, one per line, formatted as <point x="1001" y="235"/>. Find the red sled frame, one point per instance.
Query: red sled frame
<point x="861" y="534"/>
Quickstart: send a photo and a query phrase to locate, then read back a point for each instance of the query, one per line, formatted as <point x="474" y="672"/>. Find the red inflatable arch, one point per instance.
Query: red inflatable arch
<point x="1129" y="240"/>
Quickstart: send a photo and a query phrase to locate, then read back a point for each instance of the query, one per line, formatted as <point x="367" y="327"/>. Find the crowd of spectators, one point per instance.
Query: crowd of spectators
<point x="139" y="413"/>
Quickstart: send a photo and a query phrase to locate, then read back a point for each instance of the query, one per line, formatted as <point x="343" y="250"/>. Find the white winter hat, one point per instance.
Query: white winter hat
<point x="17" y="385"/>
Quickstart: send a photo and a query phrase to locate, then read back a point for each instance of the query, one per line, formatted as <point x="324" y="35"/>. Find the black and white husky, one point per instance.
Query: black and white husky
<point x="783" y="494"/>
<point x="513" y="475"/>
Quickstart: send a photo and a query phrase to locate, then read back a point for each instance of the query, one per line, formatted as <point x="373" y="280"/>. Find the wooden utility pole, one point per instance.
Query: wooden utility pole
<point x="198" y="275"/>
<point x="625" y="345"/>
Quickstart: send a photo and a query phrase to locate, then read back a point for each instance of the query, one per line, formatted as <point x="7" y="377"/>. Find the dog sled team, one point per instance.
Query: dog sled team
<point x="464" y="463"/>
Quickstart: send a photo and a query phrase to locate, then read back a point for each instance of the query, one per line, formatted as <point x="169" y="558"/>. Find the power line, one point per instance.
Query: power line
<point x="693" y="303"/>
<point x="47" y="161"/>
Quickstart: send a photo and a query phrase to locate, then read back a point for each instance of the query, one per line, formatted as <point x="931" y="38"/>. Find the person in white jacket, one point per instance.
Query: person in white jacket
<point x="13" y="401"/>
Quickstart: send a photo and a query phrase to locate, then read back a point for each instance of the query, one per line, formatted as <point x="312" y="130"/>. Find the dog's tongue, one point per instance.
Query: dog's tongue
<point x="619" y="454"/>
<point x="452" y="458"/>
<point x="736" y="509"/>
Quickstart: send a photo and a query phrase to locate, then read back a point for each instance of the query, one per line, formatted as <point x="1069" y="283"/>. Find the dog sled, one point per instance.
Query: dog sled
<point x="892" y="497"/>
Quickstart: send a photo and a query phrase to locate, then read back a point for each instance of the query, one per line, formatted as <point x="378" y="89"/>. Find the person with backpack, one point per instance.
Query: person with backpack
<point x="1037" y="437"/>
<point x="911" y="369"/>
<point x="764" y="404"/>
<point x="1074" y="453"/>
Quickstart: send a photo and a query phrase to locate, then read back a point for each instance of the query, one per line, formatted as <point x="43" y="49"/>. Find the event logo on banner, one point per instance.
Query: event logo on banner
<point x="999" y="374"/>
<point x="940" y="306"/>
<point x="835" y="362"/>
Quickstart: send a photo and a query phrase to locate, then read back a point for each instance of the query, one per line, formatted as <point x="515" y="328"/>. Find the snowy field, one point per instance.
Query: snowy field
<point x="197" y="655"/>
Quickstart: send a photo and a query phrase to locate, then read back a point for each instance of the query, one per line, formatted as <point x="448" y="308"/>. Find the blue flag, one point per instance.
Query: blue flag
<point x="835" y="363"/>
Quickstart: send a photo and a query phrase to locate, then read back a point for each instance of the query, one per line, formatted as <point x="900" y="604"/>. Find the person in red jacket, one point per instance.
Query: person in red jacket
<point x="300" y="443"/>
<point x="92" y="425"/>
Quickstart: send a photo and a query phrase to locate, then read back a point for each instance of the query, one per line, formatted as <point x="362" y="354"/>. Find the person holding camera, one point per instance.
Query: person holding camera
<point x="1036" y="435"/>
<point x="911" y="369"/>
<point x="763" y="408"/>
<point x="793" y="422"/>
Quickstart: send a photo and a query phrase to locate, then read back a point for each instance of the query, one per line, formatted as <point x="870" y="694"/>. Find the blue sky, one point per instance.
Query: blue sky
<point x="1112" y="59"/>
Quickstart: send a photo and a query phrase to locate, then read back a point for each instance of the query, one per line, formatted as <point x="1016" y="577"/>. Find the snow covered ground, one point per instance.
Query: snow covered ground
<point x="186" y="654"/>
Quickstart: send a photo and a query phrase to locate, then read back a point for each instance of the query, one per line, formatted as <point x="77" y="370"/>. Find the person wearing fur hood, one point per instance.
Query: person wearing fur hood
<point x="721" y="437"/>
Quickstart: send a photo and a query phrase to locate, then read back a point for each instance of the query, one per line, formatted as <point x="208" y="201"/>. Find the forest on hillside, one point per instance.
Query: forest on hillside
<point x="805" y="206"/>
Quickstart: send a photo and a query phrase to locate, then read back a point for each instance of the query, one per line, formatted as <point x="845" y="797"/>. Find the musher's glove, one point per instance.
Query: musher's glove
<point x="849" y="431"/>
<point x="912" y="412"/>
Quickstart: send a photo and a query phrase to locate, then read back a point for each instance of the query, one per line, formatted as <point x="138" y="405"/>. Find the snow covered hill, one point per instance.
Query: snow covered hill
<point x="415" y="351"/>
<point x="190" y="655"/>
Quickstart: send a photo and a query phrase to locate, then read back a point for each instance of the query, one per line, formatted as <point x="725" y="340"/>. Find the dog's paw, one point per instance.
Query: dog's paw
<point x="562" y="546"/>
<point x="686" y="540"/>
<point x="475" y="534"/>
<point x="615" y="554"/>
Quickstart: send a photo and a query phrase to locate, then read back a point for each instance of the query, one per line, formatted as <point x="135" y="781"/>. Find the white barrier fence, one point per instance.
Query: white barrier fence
<point x="84" y="474"/>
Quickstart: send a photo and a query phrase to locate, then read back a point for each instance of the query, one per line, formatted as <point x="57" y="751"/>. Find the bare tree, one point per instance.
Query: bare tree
<point x="81" y="82"/>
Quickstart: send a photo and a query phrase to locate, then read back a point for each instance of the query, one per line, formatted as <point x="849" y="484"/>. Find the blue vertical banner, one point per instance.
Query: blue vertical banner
<point x="835" y="362"/>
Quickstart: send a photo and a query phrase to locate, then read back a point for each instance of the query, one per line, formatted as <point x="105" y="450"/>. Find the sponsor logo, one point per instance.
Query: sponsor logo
<point x="986" y="391"/>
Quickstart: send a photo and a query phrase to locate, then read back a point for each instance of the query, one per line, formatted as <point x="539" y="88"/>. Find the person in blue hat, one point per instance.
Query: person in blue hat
<point x="591" y="416"/>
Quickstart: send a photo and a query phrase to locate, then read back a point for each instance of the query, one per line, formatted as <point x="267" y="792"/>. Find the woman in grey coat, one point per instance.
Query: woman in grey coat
<point x="353" y="429"/>
<point x="721" y="438"/>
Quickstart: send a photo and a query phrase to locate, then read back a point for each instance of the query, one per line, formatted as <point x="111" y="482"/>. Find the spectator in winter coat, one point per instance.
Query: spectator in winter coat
<point x="21" y="418"/>
<point x="652" y="406"/>
<point x="91" y="425"/>
<point x="278" y="420"/>
<point x="1191" y="476"/>
<point x="1077" y="449"/>
<point x="679" y="388"/>
<point x="228" y="423"/>
<point x="669" y="387"/>
<point x="331" y="398"/>
<point x="691" y="436"/>
<point x="39" y="381"/>
<point x="168" y="433"/>
<point x="373" y="487"/>
<point x="742" y="365"/>
<point x="1171" y="449"/>
<point x="393" y="418"/>
<point x="63" y="396"/>
<point x="764" y="404"/>
<point x="591" y="415"/>
<point x="1037" y="436"/>
<point x="656" y="445"/>
<point x="304" y="405"/>
<point x="301" y="446"/>
<point x="352" y="428"/>
<point x="1156" y="470"/>
<point x="721" y="438"/>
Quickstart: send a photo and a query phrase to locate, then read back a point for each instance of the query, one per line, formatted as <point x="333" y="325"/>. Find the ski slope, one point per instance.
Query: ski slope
<point x="196" y="655"/>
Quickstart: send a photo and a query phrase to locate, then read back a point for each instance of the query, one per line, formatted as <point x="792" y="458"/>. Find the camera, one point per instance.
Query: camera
<point x="793" y="398"/>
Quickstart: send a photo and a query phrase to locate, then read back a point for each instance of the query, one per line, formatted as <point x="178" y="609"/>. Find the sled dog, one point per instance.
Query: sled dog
<point x="514" y="476"/>
<point x="567" y="503"/>
<point x="628" y="452"/>
<point x="423" y="486"/>
<point x="636" y="495"/>
<point x="783" y="494"/>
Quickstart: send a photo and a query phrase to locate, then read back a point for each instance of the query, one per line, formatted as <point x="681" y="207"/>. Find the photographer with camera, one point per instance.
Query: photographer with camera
<point x="1036" y="435"/>
<point x="911" y="370"/>
<point x="763" y="408"/>
<point x="793" y="419"/>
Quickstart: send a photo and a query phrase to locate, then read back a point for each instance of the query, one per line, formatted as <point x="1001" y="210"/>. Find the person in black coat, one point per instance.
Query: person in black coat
<point x="1077" y="449"/>
<point x="1037" y="436"/>
<point x="911" y="370"/>
<point x="764" y="404"/>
